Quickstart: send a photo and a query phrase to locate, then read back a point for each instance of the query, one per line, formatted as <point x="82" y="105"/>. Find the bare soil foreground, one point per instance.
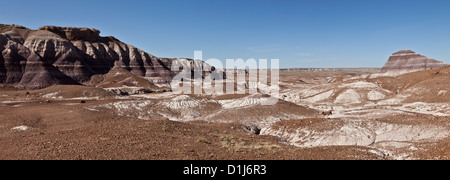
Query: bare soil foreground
<point x="66" y="130"/>
<point x="326" y="116"/>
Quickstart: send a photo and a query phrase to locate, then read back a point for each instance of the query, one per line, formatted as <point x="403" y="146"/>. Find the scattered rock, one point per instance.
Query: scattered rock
<point x="348" y="97"/>
<point x="326" y="113"/>
<point x="375" y="95"/>
<point x="20" y="128"/>
<point x="252" y="128"/>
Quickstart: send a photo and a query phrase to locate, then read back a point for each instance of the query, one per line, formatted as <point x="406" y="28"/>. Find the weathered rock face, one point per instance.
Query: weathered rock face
<point x="35" y="59"/>
<point x="406" y="61"/>
<point x="12" y="60"/>
<point x="74" y="34"/>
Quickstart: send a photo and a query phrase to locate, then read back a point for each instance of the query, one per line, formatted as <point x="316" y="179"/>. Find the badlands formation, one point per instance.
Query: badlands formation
<point x="406" y="61"/>
<point x="70" y="94"/>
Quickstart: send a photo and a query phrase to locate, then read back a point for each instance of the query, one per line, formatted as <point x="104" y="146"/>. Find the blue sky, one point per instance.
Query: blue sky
<point x="301" y="33"/>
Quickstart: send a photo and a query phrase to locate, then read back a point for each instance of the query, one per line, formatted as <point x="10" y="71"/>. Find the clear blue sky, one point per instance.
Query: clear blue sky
<point x="301" y="33"/>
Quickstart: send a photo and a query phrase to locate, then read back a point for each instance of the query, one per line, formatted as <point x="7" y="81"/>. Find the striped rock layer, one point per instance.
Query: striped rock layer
<point x="406" y="61"/>
<point x="35" y="59"/>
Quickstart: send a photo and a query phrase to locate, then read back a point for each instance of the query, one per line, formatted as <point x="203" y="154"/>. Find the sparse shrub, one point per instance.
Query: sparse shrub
<point x="203" y="140"/>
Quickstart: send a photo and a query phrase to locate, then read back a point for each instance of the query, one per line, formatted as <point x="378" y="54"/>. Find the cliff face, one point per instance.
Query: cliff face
<point x="406" y="61"/>
<point x="35" y="59"/>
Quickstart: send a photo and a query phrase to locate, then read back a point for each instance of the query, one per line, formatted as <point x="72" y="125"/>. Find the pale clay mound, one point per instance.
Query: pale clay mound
<point x="375" y="95"/>
<point x="238" y="103"/>
<point x="362" y="133"/>
<point x="442" y="92"/>
<point x="348" y="97"/>
<point x="127" y="108"/>
<point x="320" y="97"/>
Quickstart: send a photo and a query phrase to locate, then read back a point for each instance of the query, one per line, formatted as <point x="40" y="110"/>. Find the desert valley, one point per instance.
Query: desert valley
<point x="68" y="93"/>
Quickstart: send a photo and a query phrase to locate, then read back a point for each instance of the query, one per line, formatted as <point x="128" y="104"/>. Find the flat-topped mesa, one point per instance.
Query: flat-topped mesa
<point x="406" y="61"/>
<point x="404" y="53"/>
<point x="6" y="27"/>
<point x="73" y="33"/>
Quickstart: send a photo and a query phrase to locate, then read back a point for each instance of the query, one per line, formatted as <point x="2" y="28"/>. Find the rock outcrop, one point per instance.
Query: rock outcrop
<point x="35" y="59"/>
<point x="406" y="61"/>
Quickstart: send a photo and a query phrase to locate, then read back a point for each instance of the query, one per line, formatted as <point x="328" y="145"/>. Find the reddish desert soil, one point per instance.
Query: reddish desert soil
<point x="432" y="81"/>
<point x="438" y="151"/>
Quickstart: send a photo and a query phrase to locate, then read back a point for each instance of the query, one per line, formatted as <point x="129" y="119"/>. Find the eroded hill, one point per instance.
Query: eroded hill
<point x="35" y="59"/>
